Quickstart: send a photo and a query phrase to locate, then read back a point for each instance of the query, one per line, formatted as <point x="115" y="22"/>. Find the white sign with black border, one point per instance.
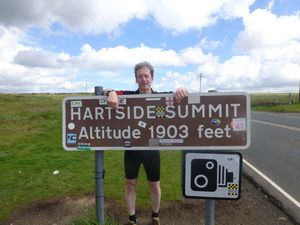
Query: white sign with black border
<point x="214" y="175"/>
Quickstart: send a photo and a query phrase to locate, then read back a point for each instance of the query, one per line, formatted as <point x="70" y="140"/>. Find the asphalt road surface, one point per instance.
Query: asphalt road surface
<point x="273" y="157"/>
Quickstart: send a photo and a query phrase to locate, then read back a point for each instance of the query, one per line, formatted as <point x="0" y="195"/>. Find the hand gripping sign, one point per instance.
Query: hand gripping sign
<point x="200" y="121"/>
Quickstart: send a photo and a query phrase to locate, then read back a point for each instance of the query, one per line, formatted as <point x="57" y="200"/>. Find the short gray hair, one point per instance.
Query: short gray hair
<point x="144" y="64"/>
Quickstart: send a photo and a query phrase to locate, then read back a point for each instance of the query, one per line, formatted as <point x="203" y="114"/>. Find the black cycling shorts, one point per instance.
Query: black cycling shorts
<point x="150" y="160"/>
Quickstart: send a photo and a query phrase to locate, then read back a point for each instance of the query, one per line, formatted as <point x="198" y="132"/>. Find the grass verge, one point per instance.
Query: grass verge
<point x="91" y="219"/>
<point x="292" y="108"/>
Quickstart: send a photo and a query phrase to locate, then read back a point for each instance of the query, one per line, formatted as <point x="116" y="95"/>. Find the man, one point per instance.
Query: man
<point x="150" y="159"/>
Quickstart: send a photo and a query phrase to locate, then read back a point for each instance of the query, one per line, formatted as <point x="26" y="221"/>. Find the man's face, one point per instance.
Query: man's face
<point x="144" y="80"/>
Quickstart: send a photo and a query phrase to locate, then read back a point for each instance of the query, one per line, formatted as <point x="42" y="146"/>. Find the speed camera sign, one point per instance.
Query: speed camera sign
<point x="211" y="175"/>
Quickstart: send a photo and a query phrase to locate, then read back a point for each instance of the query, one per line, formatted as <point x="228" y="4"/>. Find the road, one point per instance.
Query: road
<point x="275" y="154"/>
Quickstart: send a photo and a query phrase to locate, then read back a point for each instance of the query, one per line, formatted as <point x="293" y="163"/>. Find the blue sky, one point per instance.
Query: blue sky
<point x="237" y="45"/>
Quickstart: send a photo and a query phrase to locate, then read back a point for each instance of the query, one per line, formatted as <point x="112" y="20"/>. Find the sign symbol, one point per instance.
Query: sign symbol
<point x="71" y="138"/>
<point x="71" y="126"/>
<point x="209" y="165"/>
<point x="232" y="189"/>
<point x="142" y="124"/>
<point x="160" y="111"/>
<point x="216" y="122"/>
<point x="199" y="179"/>
<point x="76" y="103"/>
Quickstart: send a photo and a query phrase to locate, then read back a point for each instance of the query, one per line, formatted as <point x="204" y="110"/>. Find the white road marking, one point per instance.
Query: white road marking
<point x="277" y="125"/>
<point x="288" y="196"/>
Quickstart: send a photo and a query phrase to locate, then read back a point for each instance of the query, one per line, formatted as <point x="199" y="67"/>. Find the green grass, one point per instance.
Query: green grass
<point x="273" y="98"/>
<point x="31" y="149"/>
<point x="90" y="218"/>
<point x="275" y="102"/>
<point x="293" y="108"/>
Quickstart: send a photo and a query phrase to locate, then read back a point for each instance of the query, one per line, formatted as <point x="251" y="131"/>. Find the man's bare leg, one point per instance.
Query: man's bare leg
<point x="155" y="195"/>
<point x="130" y="195"/>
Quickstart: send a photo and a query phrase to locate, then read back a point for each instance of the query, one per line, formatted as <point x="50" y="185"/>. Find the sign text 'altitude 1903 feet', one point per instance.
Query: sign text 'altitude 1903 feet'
<point x="157" y="121"/>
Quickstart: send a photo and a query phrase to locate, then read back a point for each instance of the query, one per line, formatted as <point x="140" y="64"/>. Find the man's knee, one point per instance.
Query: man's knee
<point x="155" y="187"/>
<point x="130" y="185"/>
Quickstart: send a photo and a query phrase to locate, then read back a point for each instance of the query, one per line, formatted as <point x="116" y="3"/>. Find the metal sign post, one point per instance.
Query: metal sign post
<point x="209" y="212"/>
<point x="99" y="176"/>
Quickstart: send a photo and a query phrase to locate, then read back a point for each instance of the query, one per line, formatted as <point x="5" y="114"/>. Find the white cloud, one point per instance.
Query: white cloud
<point x="194" y="55"/>
<point x="40" y="58"/>
<point x="122" y="57"/>
<point x="289" y="52"/>
<point x="15" y="78"/>
<point x="107" y="16"/>
<point x="87" y="16"/>
<point x="94" y="16"/>
<point x="270" y="45"/>
<point x="170" y="14"/>
<point x="196" y="14"/>
<point x="9" y="43"/>
<point x="274" y="42"/>
<point x="173" y="80"/>
<point x="265" y="29"/>
<point x="14" y="13"/>
<point x="239" y="73"/>
<point x="207" y="44"/>
<point x="35" y="70"/>
<point x="236" y="9"/>
<point x="236" y="74"/>
<point x="44" y="71"/>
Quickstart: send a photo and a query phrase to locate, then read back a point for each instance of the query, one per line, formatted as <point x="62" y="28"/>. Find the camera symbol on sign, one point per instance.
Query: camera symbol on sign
<point x="207" y="175"/>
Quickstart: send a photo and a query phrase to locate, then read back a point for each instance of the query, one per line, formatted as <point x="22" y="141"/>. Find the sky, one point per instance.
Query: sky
<point x="67" y="46"/>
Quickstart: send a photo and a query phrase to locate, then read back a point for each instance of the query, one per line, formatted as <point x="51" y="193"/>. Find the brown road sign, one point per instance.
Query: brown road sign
<point x="200" y="121"/>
